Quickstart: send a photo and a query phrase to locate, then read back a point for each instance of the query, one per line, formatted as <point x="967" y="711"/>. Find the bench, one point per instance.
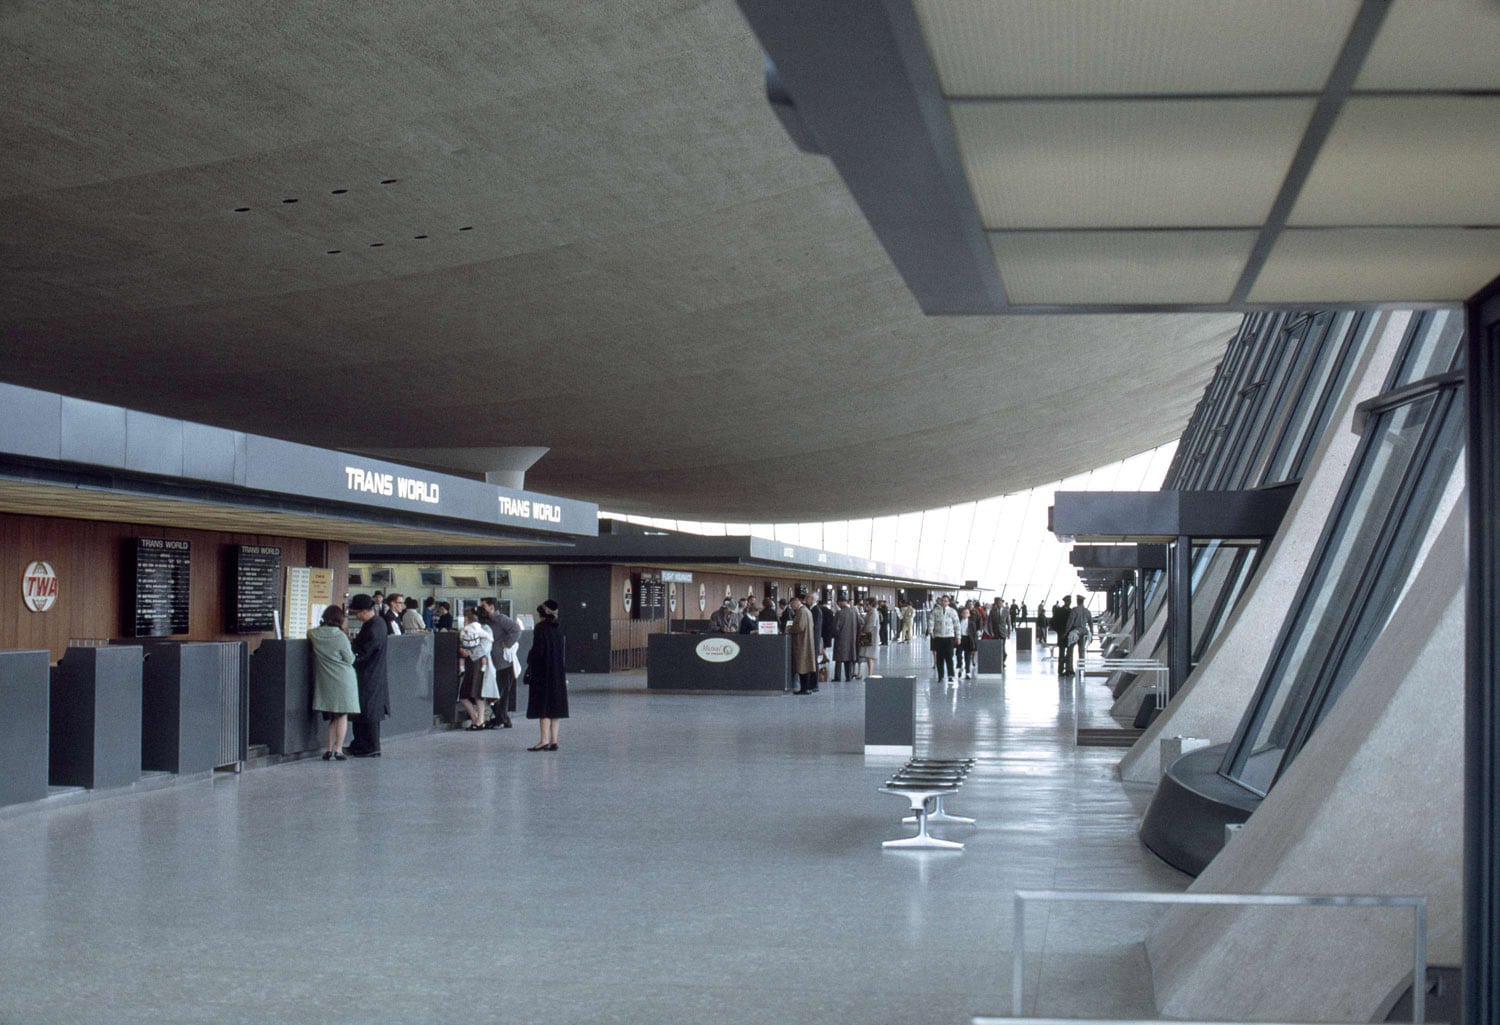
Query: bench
<point x="924" y="782"/>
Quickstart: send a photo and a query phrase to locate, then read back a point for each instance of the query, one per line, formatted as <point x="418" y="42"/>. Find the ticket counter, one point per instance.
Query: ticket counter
<point x="747" y="663"/>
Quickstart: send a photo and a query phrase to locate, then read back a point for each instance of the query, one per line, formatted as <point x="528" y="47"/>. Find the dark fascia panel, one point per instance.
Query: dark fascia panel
<point x="667" y="549"/>
<point x="1118" y="556"/>
<point x="1102" y="582"/>
<point x="1157" y="516"/>
<point x="861" y="87"/>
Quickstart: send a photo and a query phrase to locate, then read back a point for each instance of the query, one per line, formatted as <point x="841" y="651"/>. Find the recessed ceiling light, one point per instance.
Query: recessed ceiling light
<point x="389" y="181"/>
<point x="467" y="227"/>
<point x="419" y="236"/>
<point x="334" y="252"/>
<point x="242" y="209"/>
<point x="289" y="201"/>
<point x="339" y="192"/>
<point x="376" y="245"/>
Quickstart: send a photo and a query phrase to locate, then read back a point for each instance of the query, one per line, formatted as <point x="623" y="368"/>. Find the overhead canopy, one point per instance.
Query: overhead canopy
<point x="1115" y="557"/>
<point x="1160" y="516"/>
<point x="86" y="460"/>
<point x="620" y="543"/>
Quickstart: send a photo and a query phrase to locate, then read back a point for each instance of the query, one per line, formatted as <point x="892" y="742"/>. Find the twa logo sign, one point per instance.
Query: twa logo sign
<point x="39" y="587"/>
<point x="716" y="649"/>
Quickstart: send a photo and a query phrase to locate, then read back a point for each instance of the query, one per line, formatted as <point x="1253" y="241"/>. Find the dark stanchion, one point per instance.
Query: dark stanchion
<point x="1179" y="613"/>
<point x="96" y="718"/>
<point x="181" y="687"/>
<point x="445" y="676"/>
<point x="1482" y="667"/>
<point x="409" y="667"/>
<point x="24" y="700"/>
<point x="281" y="687"/>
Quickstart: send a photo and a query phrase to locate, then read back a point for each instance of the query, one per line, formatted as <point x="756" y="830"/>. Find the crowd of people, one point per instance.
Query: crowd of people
<point x="351" y="683"/>
<point x="843" y="633"/>
<point x="840" y="636"/>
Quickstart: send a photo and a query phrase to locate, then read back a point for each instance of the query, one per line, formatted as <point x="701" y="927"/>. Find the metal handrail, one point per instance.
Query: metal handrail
<point x="1417" y="904"/>
<point x="1143" y="665"/>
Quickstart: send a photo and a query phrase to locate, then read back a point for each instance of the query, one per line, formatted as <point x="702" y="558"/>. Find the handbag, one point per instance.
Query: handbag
<point x="866" y="639"/>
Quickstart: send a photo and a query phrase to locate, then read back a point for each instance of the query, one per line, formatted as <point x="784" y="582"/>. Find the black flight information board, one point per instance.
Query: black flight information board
<point x="162" y="569"/>
<point x="650" y="595"/>
<point x="257" y="589"/>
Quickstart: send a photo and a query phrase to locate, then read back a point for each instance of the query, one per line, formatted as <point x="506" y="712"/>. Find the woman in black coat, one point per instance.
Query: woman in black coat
<point x="547" y="699"/>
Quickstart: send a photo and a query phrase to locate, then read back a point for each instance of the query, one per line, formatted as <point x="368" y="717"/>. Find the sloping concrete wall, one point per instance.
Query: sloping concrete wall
<point x="1215" y="696"/>
<point x="1372" y="805"/>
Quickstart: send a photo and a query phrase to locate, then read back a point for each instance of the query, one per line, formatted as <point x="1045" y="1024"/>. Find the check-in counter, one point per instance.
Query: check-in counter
<point x="281" y="688"/>
<point x="409" y="666"/>
<point x="96" y="717"/>
<point x="24" y="700"/>
<point x="747" y="663"/>
<point x="190" y="698"/>
<point x="445" y="676"/>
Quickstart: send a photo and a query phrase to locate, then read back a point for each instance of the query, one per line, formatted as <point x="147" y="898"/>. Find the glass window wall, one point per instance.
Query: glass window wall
<point x="1361" y="566"/>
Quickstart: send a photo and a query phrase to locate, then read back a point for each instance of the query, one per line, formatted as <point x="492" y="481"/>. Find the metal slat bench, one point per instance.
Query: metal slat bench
<point x="924" y="781"/>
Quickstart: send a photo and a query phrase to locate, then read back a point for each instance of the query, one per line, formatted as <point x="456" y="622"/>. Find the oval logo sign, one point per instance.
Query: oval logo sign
<point x="39" y="587"/>
<point x="718" y="649"/>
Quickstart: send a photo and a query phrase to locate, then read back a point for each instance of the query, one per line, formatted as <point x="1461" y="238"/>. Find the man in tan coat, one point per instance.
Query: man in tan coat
<point x="804" y="647"/>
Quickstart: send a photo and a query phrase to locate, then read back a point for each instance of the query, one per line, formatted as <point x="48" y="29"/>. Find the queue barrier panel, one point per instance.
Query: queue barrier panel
<point x="1418" y="906"/>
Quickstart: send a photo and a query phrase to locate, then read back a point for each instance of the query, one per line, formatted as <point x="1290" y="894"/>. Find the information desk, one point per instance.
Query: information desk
<point x="748" y="663"/>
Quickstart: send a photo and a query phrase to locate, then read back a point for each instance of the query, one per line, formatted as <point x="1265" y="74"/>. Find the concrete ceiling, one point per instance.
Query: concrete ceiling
<point x="573" y="225"/>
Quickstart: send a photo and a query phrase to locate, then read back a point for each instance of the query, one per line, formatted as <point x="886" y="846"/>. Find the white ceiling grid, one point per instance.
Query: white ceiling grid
<point x="1115" y="118"/>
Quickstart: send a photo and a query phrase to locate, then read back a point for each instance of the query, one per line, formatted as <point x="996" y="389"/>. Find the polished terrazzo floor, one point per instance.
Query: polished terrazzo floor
<point x="681" y="858"/>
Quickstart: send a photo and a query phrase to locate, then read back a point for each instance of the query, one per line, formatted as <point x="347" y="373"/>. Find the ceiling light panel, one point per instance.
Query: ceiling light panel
<point x="1083" y="47"/>
<point x="1390" y="265"/>
<point x="1435" y="45"/>
<point x="1407" y="161"/>
<point x="1129" y="163"/>
<point x="1130" y="267"/>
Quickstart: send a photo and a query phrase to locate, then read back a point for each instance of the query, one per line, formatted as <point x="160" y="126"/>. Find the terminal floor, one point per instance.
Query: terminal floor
<point x="681" y="858"/>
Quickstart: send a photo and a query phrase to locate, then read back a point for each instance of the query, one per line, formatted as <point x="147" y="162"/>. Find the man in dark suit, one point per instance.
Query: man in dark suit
<point x="507" y="632"/>
<point x="370" y="672"/>
<point x="1060" y="627"/>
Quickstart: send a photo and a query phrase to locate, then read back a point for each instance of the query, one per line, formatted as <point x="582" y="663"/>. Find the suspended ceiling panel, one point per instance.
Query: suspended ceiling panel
<point x="1081" y="47"/>
<point x="1181" y="163"/>
<point x="1427" y="45"/>
<point x="1120" y="266"/>
<point x="1363" y="264"/>
<point x="1408" y="161"/>
<point x="1054" y="115"/>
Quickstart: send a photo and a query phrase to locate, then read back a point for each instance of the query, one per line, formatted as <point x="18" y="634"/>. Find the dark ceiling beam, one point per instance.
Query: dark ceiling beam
<point x="864" y="91"/>
<point x="1357" y="46"/>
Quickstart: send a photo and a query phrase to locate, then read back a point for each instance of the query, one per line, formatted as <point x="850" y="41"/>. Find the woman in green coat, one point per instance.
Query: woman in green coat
<point x="335" y="689"/>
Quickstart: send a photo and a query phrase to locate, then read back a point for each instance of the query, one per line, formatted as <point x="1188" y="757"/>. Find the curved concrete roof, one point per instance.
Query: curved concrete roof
<point x="595" y="237"/>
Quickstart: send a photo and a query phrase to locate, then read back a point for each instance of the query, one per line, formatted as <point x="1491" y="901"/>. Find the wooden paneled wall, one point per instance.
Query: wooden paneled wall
<point x="93" y="561"/>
